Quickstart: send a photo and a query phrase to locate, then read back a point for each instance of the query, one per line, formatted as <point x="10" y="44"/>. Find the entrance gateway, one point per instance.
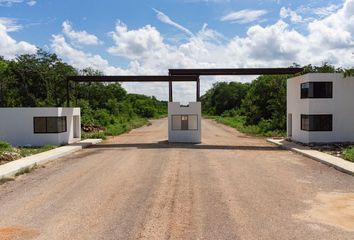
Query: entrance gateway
<point x="184" y="122"/>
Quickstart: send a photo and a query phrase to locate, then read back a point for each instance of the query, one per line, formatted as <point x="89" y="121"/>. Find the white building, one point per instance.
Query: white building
<point x="184" y="122"/>
<point x="320" y="108"/>
<point x="40" y="126"/>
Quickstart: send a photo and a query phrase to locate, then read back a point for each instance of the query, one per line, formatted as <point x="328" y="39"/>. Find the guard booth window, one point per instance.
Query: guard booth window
<point x="184" y="122"/>
<point x="49" y="125"/>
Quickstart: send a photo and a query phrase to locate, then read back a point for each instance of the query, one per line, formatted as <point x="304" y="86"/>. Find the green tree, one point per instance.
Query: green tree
<point x="324" y="68"/>
<point x="224" y="96"/>
<point x="36" y="80"/>
<point x="266" y="100"/>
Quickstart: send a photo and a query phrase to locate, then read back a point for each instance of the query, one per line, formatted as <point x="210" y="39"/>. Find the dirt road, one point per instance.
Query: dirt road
<point x="136" y="186"/>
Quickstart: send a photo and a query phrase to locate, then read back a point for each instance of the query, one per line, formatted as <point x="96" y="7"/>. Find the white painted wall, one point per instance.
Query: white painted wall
<point x="341" y="106"/>
<point x="185" y="136"/>
<point x="16" y="126"/>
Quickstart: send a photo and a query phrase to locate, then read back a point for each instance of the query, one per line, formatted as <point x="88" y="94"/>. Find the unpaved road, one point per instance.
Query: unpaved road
<point x="136" y="186"/>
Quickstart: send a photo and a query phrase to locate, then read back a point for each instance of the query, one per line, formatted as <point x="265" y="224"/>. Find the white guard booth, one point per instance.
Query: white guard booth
<point x="40" y="126"/>
<point x="184" y="122"/>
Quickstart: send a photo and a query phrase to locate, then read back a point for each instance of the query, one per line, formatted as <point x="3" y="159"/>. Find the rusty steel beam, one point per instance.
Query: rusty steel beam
<point x="151" y="78"/>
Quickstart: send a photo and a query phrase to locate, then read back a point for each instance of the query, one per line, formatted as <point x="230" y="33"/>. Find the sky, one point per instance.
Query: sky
<point x="149" y="37"/>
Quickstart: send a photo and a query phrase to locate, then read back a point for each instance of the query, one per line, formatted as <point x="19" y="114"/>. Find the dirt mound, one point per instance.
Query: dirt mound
<point x="92" y="128"/>
<point x="9" y="156"/>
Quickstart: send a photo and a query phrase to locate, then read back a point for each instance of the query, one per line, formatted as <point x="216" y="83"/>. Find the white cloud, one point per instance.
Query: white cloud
<point x="166" y="19"/>
<point x="244" y="16"/>
<point x="9" y="3"/>
<point x="81" y="37"/>
<point x="288" y="13"/>
<point x="31" y="3"/>
<point x="322" y="11"/>
<point x="135" y="44"/>
<point x="79" y="59"/>
<point x="10" y="24"/>
<point x="9" y="47"/>
<point x="212" y="1"/>
<point x="329" y="39"/>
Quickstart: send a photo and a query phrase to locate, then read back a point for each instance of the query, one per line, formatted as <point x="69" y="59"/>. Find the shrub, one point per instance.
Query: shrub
<point x="5" y="146"/>
<point x="102" y="117"/>
<point x="146" y="112"/>
<point x="94" y="135"/>
<point x="348" y="154"/>
<point x="266" y="125"/>
<point x="230" y="113"/>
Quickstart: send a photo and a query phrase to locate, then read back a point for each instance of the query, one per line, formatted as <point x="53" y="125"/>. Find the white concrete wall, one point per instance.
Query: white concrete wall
<point x="16" y="126"/>
<point x="341" y="106"/>
<point x="185" y="136"/>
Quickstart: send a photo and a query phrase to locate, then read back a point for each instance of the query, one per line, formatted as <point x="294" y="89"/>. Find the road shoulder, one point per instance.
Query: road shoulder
<point x="336" y="162"/>
<point x="10" y="169"/>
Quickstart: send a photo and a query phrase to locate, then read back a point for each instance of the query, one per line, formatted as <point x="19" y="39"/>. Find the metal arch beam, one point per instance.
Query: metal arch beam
<point x="147" y="78"/>
<point x="141" y="78"/>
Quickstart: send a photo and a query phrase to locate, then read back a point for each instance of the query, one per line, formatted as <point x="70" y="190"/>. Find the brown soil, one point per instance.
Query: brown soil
<point x="17" y="233"/>
<point x="137" y="186"/>
<point x="336" y="209"/>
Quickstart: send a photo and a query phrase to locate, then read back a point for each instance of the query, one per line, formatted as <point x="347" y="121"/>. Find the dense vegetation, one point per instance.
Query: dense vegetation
<point x="258" y="107"/>
<point x="40" y="80"/>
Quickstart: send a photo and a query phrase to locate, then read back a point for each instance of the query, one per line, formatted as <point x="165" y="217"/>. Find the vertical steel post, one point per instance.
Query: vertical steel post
<point x="198" y="89"/>
<point x="76" y="93"/>
<point x="170" y="91"/>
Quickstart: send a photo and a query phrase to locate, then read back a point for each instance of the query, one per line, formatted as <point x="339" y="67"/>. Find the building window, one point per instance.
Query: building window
<point x="49" y="124"/>
<point x="184" y="122"/>
<point x="317" y="122"/>
<point x="317" y="90"/>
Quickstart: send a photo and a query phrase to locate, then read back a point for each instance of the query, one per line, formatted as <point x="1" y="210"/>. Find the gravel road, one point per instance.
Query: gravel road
<point x="136" y="186"/>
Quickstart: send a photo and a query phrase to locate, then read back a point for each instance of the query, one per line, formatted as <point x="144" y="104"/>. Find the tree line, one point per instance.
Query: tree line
<point x="259" y="103"/>
<point x="39" y="80"/>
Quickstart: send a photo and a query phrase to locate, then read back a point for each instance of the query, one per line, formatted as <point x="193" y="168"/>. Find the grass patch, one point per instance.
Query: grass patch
<point x="5" y="180"/>
<point x="348" y="154"/>
<point x="94" y="135"/>
<point x="122" y="127"/>
<point x="18" y="173"/>
<point x="20" y="152"/>
<point x="117" y="128"/>
<point x="26" y="170"/>
<point x="4" y="146"/>
<point x="239" y="123"/>
<point x="28" y="151"/>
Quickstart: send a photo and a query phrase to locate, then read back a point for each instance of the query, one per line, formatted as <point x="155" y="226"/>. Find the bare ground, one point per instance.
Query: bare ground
<point x="136" y="186"/>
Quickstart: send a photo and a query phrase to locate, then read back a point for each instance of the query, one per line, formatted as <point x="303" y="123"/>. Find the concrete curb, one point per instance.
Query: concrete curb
<point x="9" y="170"/>
<point x="336" y="162"/>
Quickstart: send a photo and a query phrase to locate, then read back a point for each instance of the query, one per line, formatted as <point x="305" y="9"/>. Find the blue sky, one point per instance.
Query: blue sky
<point x="148" y="37"/>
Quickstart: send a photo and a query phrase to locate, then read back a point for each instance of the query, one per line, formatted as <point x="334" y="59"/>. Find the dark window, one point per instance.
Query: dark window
<point x="184" y="122"/>
<point x="317" y="90"/>
<point x="49" y="124"/>
<point x="317" y="122"/>
<point x="40" y="125"/>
